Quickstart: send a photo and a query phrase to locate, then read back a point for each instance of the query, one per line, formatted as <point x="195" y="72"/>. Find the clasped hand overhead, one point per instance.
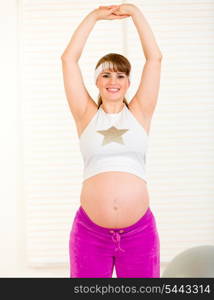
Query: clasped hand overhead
<point x="113" y="12"/>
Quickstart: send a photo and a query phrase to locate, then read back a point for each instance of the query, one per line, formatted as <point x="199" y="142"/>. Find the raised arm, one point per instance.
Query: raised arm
<point x="76" y="92"/>
<point x="77" y="95"/>
<point x="146" y="96"/>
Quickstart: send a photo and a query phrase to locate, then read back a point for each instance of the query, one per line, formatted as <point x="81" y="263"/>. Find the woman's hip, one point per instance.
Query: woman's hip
<point x="145" y="227"/>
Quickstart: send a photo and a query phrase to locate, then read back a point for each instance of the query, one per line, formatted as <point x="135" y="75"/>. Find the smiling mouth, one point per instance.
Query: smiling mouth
<point x="113" y="91"/>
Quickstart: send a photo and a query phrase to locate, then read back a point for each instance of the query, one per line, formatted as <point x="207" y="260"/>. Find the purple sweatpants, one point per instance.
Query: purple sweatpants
<point x="94" y="250"/>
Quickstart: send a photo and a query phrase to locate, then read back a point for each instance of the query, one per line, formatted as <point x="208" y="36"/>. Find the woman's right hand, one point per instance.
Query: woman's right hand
<point x="107" y="13"/>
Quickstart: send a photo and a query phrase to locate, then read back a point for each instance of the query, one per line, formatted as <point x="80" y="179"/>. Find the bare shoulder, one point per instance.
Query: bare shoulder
<point x="140" y="115"/>
<point x="91" y="110"/>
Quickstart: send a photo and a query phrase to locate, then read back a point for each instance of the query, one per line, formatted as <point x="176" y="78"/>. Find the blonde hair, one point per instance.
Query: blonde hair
<point x="120" y="64"/>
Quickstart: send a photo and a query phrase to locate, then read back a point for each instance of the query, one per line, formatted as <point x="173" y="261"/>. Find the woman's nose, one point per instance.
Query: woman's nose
<point x="113" y="79"/>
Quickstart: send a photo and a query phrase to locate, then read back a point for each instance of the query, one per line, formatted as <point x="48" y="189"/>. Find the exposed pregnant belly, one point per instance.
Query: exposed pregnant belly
<point x="114" y="199"/>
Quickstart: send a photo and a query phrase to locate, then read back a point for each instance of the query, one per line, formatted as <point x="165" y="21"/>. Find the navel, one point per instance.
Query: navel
<point x="115" y="207"/>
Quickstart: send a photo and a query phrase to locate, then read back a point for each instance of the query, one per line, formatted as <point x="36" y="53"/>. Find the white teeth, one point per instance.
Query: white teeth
<point x="113" y="90"/>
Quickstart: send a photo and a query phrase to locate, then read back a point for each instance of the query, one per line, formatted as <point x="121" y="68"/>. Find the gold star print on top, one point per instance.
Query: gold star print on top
<point x="112" y="135"/>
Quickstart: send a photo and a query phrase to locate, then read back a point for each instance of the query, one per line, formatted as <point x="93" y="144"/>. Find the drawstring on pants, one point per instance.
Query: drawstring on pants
<point x="116" y="238"/>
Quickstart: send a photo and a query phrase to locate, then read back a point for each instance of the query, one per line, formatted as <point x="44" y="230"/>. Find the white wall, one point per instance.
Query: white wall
<point x="12" y="208"/>
<point x="9" y="139"/>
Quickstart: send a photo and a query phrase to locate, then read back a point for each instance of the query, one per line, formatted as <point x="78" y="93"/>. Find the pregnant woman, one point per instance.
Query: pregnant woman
<point x="114" y="225"/>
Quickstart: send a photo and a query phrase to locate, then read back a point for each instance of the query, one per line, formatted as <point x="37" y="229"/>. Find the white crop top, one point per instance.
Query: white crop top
<point x="114" y="142"/>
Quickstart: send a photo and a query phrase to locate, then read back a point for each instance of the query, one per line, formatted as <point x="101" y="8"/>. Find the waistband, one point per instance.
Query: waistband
<point x="142" y="221"/>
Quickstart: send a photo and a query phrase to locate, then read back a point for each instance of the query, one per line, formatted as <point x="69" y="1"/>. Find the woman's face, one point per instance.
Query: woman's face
<point x="112" y="84"/>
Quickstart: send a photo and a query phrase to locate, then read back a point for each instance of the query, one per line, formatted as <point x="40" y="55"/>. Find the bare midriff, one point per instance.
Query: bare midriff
<point x="114" y="199"/>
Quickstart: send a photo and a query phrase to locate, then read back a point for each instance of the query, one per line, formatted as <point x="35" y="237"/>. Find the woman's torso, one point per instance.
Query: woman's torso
<point x="114" y="199"/>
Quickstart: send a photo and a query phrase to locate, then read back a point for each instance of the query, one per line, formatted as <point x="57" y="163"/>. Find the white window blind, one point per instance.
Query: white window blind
<point x="180" y="158"/>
